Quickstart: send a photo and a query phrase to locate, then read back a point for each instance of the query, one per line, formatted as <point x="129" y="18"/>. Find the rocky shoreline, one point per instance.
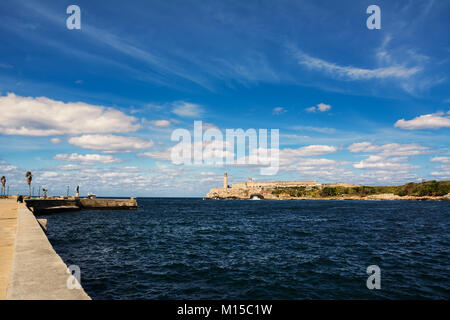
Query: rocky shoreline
<point x="311" y="190"/>
<point x="379" y="197"/>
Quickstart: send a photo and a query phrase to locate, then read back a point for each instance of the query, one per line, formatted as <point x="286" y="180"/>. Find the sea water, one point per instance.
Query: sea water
<point x="176" y="248"/>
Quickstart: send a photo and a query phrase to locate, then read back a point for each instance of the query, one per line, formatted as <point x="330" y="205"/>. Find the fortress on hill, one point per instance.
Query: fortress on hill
<point x="261" y="189"/>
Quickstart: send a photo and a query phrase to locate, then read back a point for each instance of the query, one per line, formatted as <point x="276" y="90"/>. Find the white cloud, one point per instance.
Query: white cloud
<point x="8" y="168"/>
<point x="314" y="129"/>
<point x="111" y="143"/>
<point x="278" y="110"/>
<point x="44" y="117"/>
<point x="308" y="151"/>
<point x="213" y="151"/>
<point x="291" y="157"/>
<point x="427" y="121"/>
<point x="186" y="109"/>
<point x="161" y="123"/>
<point x="55" y="140"/>
<point x="321" y="107"/>
<point x="317" y="168"/>
<point x="391" y="149"/>
<point x="390" y="160"/>
<point x="157" y="155"/>
<point x="298" y="163"/>
<point x="380" y="162"/>
<point x="49" y="174"/>
<point x="441" y="159"/>
<point x="442" y="174"/>
<point x="386" y="176"/>
<point x="70" y="167"/>
<point x="87" y="158"/>
<point x="210" y="173"/>
<point x="363" y="147"/>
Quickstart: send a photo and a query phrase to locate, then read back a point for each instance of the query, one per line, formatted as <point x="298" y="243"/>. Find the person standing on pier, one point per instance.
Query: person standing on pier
<point x="29" y="178"/>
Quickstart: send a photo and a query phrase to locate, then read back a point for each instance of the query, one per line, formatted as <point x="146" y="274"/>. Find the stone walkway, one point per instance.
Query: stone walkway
<point x="29" y="266"/>
<point x="8" y="228"/>
<point x="37" y="271"/>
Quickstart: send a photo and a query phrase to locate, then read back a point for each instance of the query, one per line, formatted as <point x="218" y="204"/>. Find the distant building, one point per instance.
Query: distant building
<point x="250" y="188"/>
<point x="250" y="184"/>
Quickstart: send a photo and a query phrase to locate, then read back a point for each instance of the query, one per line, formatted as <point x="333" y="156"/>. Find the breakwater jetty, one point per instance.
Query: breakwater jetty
<point x="30" y="268"/>
<point x="48" y="206"/>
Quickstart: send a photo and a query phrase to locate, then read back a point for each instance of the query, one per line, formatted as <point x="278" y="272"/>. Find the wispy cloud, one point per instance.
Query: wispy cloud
<point x="159" y="64"/>
<point x="55" y="140"/>
<point x="314" y="129"/>
<point x="441" y="159"/>
<point x="154" y="60"/>
<point x="354" y="73"/>
<point x="390" y="149"/>
<point x="70" y="167"/>
<point x="187" y="109"/>
<point x="161" y="123"/>
<point x="5" y="66"/>
<point x="87" y="158"/>
<point x="278" y="110"/>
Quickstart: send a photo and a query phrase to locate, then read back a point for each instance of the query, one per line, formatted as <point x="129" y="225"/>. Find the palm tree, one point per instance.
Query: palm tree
<point x="29" y="177"/>
<point x="3" y="181"/>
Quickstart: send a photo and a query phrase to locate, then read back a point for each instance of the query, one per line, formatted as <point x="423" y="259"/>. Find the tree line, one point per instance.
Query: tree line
<point x="428" y="188"/>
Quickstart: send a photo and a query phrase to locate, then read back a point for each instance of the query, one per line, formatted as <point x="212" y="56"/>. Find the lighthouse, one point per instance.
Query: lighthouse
<point x="225" y="180"/>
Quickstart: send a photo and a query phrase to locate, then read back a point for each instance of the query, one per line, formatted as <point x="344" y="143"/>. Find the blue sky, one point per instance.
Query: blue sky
<point x="96" y="107"/>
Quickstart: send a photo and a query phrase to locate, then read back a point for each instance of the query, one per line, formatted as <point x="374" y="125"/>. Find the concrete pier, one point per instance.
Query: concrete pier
<point x="30" y="268"/>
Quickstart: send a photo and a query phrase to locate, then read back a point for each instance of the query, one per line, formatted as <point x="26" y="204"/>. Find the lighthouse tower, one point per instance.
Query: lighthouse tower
<point x="225" y="180"/>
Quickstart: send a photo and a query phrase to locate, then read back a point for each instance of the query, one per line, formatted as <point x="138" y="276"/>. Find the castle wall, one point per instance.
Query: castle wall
<point x="273" y="184"/>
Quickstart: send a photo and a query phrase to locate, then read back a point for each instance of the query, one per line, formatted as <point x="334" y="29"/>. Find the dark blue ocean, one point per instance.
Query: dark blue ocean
<point x="235" y="249"/>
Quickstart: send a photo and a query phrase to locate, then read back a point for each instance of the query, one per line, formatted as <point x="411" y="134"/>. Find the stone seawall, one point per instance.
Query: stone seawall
<point x="108" y="204"/>
<point x="222" y="193"/>
<point x="233" y="193"/>
<point x="46" y="206"/>
<point x="37" y="271"/>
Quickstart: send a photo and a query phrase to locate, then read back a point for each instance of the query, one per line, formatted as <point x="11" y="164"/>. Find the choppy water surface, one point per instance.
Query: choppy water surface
<point x="209" y="249"/>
